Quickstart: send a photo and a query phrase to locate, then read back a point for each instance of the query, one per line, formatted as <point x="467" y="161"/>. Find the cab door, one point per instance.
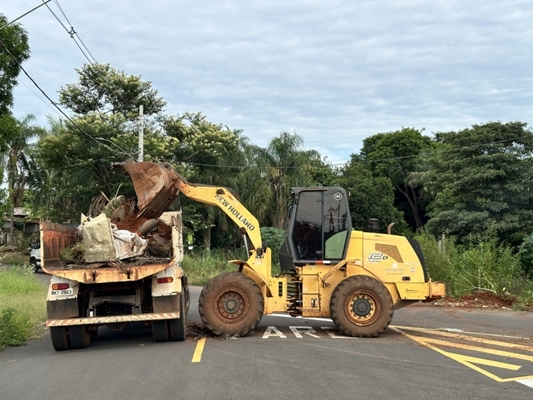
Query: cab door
<point x="319" y="227"/>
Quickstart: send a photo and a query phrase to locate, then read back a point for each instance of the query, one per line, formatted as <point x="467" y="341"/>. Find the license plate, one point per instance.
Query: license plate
<point x="64" y="292"/>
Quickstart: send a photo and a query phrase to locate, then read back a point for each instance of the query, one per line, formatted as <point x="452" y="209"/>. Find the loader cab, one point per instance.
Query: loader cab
<point x="319" y="226"/>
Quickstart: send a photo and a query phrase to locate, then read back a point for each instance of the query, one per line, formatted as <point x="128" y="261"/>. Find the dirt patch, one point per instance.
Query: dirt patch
<point x="480" y="299"/>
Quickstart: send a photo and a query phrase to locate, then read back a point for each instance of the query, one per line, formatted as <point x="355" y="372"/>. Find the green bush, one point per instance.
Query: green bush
<point x="488" y="267"/>
<point x="15" y="328"/>
<point x="273" y="237"/>
<point x="22" y="306"/>
<point x="476" y="266"/>
<point x="440" y="256"/>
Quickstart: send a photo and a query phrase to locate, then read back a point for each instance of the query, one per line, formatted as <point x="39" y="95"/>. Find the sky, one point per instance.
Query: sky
<point x="333" y="72"/>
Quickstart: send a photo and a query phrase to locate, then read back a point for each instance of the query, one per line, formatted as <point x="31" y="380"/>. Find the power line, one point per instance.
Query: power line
<point x="40" y="98"/>
<point x="368" y="161"/>
<point x="92" y="60"/>
<point x="54" y="104"/>
<point x="72" y="33"/>
<point x="26" y="13"/>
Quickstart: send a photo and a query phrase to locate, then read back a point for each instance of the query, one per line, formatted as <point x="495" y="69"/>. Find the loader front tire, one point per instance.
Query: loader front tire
<point x="231" y="304"/>
<point x="361" y="306"/>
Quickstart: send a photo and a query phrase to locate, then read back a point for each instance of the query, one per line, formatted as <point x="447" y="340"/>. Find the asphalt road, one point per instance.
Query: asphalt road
<point x="427" y="353"/>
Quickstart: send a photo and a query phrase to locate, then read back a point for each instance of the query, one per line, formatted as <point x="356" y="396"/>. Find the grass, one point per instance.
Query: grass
<point x="22" y="306"/>
<point x="200" y="268"/>
<point x="14" y="258"/>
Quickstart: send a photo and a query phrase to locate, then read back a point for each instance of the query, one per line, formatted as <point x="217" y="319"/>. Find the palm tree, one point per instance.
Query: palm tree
<point x="285" y="163"/>
<point x="15" y="162"/>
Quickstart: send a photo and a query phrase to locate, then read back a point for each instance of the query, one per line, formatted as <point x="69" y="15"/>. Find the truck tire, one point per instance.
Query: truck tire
<point x="231" y="304"/>
<point x="60" y="339"/>
<point x="160" y="331"/>
<point x="188" y="299"/>
<point x="33" y="264"/>
<point x="178" y="326"/>
<point x="80" y="336"/>
<point x="94" y="332"/>
<point x="361" y="306"/>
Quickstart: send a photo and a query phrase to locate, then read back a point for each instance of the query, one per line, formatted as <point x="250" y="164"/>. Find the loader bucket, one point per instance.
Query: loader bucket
<point x="156" y="186"/>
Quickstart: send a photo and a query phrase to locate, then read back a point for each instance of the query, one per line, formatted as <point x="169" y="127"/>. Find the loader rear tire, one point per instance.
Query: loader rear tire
<point x="60" y="339"/>
<point x="178" y="327"/>
<point x="231" y="304"/>
<point x="80" y="336"/>
<point x="361" y="306"/>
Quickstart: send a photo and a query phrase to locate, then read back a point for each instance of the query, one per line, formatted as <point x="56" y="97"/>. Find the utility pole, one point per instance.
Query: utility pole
<point x="141" y="134"/>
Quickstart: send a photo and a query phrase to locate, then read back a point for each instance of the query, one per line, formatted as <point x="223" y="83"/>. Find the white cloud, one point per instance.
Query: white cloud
<point x="333" y="72"/>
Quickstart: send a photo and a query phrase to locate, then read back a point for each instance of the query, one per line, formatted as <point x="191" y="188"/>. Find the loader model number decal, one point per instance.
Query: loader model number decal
<point x="235" y="212"/>
<point x="377" y="257"/>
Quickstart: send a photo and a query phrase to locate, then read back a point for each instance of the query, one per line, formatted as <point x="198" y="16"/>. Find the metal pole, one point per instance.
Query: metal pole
<point x="141" y="134"/>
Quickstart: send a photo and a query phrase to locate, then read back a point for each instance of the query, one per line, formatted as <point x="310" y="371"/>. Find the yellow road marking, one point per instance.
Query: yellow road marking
<point x="197" y="356"/>
<point x="470" y="361"/>
<point x="469" y="338"/>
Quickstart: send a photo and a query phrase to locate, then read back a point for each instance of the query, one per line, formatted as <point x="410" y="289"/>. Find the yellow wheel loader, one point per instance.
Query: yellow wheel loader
<point x="328" y="270"/>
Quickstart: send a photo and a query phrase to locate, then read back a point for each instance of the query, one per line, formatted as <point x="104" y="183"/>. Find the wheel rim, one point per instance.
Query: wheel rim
<point x="362" y="307"/>
<point x="231" y="306"/>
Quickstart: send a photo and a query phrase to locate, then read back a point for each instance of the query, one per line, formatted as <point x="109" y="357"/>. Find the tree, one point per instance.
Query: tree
<point x="14" y="50"/>
<point x="103" y="131"/>
<point x="204" y="152"/>
<point x="266" y="180"/>
<point x="76" y="161"/>
<point x="102" y="89"/>
<point x="396" y="155"/>
<point x="283" y="164"/>
<point x="482" y="183"/>
<point x="15" y="161"/>
<point x="370" y="197"/>
<point x="8" y="130"/>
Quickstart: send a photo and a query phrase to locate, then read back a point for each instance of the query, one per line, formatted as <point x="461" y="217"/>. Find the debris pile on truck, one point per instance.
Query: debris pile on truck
<point x="101" y="241"/>
<point x="119" y="267"/>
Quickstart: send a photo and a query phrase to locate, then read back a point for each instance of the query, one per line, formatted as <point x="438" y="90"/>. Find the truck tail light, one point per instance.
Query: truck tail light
<point x="60" y="286"/>
<point x="166" y="279"/>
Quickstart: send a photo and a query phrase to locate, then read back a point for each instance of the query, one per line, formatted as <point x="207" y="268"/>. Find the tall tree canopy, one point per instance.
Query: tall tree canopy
<point x="102" y="89"/>
<point x="15" y="162"/>
<point x="204" y="152"/>
<point x="482" y="181"/>
<point x="283" y="164"/>
<point x="77" y="154"/>
<point x="14" y="50"/>
<point x="395" y="155"/>
<point x="370" y="197"/>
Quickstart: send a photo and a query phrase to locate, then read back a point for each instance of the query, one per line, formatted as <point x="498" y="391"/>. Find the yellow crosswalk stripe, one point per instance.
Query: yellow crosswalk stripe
<point x="474" y="363"/>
